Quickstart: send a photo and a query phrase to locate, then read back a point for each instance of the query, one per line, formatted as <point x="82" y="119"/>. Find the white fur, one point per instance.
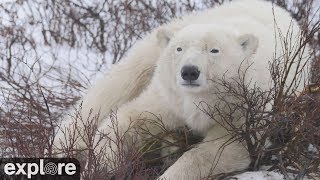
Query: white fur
<point x="243" y="32"/>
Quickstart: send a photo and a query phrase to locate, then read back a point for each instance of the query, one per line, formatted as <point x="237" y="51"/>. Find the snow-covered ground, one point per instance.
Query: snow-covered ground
<point x="259" y="175"/>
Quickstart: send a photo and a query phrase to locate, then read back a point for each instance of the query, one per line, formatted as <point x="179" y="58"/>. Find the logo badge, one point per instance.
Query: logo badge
<point x="39" y="168"/>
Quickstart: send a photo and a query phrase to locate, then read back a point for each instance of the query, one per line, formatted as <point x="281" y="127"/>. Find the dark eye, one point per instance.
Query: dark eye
<point x="214" y="51"/>
<point x="179" y="49"/>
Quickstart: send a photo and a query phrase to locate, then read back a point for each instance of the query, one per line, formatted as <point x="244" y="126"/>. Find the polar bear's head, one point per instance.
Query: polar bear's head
<point x="198" y="53"/>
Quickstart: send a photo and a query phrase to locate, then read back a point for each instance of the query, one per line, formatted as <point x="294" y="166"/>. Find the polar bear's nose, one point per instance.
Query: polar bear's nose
<point x="190" y="73"/>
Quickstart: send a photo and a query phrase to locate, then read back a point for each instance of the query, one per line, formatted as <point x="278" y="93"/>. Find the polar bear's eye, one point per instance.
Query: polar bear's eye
<point x="214" y="51"/>
<point x="179" y="49"/>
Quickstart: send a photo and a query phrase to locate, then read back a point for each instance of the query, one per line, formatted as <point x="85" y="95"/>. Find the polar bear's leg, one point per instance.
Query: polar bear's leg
<point x="124" y="82"/>
<point x="211" y="157"/>
<point x="134" y="121"/>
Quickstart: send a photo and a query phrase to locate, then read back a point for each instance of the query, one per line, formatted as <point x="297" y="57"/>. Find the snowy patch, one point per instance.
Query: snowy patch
<point x="259" y="175"/>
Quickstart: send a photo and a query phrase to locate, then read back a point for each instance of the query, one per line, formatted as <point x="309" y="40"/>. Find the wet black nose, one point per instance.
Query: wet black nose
<point x="190" y="73"/>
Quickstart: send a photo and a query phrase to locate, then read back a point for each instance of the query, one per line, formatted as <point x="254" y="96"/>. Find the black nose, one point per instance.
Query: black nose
<point x="190" y="73"/>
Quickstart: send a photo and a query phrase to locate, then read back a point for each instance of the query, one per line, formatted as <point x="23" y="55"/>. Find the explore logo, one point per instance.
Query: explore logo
<point x="39" y="168"/>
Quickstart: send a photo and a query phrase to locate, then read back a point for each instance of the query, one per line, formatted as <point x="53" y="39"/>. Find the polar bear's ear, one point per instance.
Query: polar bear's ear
<point x="249" y="43"/>
<point x="164" y="35"/>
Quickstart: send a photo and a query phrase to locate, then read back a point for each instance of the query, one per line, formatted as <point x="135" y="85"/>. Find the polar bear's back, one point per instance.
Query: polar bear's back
<point x="259" y="10"/>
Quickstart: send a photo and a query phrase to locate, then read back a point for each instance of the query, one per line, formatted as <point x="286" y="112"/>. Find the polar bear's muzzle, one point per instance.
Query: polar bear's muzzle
<point x="190" y="74"/>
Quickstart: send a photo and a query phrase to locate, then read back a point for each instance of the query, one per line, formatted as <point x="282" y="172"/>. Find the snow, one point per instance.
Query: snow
<point x="313" y="149"/>
<point x="260" y="175"/>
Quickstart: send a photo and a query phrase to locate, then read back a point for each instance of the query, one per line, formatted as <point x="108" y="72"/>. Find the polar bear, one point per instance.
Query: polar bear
<point x="168" y="73"/>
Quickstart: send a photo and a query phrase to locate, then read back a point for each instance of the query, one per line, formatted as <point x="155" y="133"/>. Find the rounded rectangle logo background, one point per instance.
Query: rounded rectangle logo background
<point x="39" y="168"/>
